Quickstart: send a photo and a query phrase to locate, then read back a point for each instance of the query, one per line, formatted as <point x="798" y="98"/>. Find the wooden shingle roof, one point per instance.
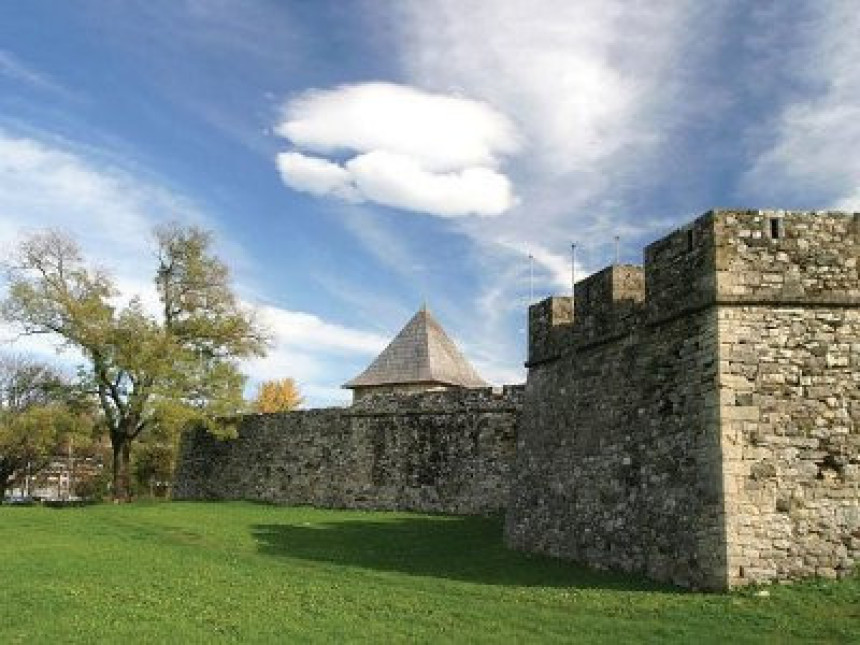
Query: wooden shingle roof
<point x="421" y="353"/>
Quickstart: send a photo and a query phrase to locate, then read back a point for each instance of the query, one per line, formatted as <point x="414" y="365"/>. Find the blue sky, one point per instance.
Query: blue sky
<point x="355" y="158"/>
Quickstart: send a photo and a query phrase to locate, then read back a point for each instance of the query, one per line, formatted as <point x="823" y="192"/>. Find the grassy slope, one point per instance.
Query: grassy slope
<point x="186" y="572"/>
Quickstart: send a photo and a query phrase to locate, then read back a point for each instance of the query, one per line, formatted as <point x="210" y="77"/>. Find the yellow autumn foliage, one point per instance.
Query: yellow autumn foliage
<point x="278" y="396"/>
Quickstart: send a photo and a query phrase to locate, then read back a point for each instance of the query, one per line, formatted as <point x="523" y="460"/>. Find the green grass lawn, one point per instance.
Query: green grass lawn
<point x="186" y="572"/>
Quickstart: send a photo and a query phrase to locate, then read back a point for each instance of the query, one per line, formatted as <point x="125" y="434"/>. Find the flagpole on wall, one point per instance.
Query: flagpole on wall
<point x="531" y="278"/>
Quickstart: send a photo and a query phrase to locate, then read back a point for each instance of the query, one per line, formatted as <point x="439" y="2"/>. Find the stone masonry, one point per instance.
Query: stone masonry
<point x="447" y="452"/>
<point x="698" y="419"/>
<point x="695" y="419"/>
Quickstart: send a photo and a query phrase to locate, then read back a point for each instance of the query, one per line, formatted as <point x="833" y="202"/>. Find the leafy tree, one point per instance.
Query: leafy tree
<point x="168" y="368"/>
<point x="37" y="413"/>
<point x="278" y="396"/>
<point x="153" y="459"/>
<point x="25" y="383"/>
<point x="153" y="467"/>
<point x="93" y="482"/>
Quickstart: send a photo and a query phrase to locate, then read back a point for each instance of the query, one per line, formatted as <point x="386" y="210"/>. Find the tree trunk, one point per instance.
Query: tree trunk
<point x="5" y="481"/>
<point x="121" y="468"/>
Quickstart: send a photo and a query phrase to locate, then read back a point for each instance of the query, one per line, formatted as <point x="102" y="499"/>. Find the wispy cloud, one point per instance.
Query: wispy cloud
<point x="383" y="243"/>
<point x="369" y="303"/>
<point x="586" y="82"/>
<point x="187" y="51"/>
<point x="808" y="157"/>
<point x="598" y="91"/>
<point x="301" y="329"/>
<point x="13" y="67"/>
<point x="111" y="211"/>
<point x="311" y="350"/>
<point x="47" y="185"/>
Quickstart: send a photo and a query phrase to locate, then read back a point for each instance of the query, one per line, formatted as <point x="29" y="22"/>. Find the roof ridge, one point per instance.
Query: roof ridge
<point x="425" y="315"/>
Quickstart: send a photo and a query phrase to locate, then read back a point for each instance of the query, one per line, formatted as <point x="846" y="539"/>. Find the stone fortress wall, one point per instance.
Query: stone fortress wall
<point x="698" y="418"/>
<point x="695" y="419"/>
<point x="448" y="452"/>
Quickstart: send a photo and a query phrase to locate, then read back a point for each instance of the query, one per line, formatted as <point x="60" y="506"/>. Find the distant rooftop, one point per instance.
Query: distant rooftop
<point x="422" y="353"/>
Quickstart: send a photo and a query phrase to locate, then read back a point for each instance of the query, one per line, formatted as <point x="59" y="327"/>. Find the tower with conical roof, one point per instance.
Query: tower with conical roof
<point x="421" y="358"/>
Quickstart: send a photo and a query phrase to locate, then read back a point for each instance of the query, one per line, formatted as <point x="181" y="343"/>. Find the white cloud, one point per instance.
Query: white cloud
<point x="409" y="149"/>
<point x="326" y="396"/>
<point x="316" y="176"/>
<point x="439" y="132"/>
<point x="43" y="346"/>
<point x="850" y="203"/>
<point x="309" y="349"/>
<point x="554" y="265"/>
<point x="497" y="373"/>
<point x="399" y="181"/>
<point x="300" y="329"/>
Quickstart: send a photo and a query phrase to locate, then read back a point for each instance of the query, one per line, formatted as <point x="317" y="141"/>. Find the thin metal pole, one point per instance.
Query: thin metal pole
<point x="531" y="278"/>
<point x="71" y="466"/>
<point x="617" y="238"/>
<point x="572" y="285"/>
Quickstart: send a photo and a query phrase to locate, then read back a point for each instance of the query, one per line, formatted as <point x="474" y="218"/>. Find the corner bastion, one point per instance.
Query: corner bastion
<point x="697" y="419"/>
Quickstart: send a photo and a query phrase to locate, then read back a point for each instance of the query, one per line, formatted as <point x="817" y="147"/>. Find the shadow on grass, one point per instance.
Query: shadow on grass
<point x="466" y="548"/>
